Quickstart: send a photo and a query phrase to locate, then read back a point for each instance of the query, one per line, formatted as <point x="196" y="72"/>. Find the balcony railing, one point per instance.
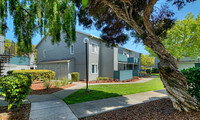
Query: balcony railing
<point x="133" y="60"/>
<point x="124" y="58"/>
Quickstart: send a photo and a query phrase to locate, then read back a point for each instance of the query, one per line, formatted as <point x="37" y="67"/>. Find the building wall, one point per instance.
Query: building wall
<point x="185" y="65"/>
<point x="109" y="61"/>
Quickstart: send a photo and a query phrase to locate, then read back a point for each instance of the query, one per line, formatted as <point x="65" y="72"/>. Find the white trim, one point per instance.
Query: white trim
<point x="97" y="46"/>
<point x="97" y="72"/>
<point x="71" y="53"/>
<point x="44" y="53"/>
<point x="58" y="61"/>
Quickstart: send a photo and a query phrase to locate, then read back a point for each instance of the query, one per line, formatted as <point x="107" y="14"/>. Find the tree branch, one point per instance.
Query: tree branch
<point x="120" y="14"/>
<point x="146" y="17"/>
<point x="22" y="8"/>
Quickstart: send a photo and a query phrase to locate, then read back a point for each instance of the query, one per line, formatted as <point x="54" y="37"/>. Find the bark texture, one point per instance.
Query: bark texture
<point x="173" y="80"/>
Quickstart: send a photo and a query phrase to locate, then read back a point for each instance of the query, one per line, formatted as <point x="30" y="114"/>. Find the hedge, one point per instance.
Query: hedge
<point x="15" y="88"/>
<point x="75" y="76"/>
<point x="36" y="74"/>
<point x="193" y="81"/>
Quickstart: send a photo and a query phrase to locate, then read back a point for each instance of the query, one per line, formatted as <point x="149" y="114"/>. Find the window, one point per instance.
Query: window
<point x="44" y="53"/>
<point x="72" y="49"/>
<point x="94" y="48"/>
<point x="94" y="69"/>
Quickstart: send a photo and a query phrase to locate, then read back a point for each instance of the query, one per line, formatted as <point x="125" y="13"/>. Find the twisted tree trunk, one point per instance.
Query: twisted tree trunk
<point x="173" y="80"/>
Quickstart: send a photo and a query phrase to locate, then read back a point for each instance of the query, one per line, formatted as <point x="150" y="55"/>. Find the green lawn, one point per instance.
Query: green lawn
<point x="155" y="74"/>
<point x="106" y="91"/>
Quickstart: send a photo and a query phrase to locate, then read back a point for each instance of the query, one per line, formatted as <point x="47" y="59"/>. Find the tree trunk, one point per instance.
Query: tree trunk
<point x="173" y="80"/>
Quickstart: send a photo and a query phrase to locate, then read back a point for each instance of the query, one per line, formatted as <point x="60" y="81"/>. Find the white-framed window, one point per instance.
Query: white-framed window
<point x="94" y="48"/>
<point x="72" y="49"/>
<point x="94" y="69"/>
<point x="44" y="53"/>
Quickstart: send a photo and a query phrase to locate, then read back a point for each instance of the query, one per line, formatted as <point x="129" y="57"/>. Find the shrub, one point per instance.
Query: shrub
<point x="193" y="81"/>
<point x="148" y="71"/>
<point x="57" y="84"/>
<point x="36" y="74"/>
<point x="100" y="78"/>
<point x="15" y="88"/>
<point x="155" y="70"/>
<point x="105" y="78"/>
<point x="75" y="76"/>
<point x="47" y="83"/>
<point x="64" y="81"/>
<point x="142" y="73"/>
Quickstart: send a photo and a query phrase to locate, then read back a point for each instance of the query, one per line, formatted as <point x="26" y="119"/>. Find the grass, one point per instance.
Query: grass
<point x="107" y="91"/>
<point x="155" y="74"/>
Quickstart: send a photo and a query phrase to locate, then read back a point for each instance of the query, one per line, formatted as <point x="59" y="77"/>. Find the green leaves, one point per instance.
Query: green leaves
<point x="33" y="16"/>
<point x="147" y="61"/>
<point x="85" y="3"/>
<point x="192" y="75"/>
<point x="15" y="89"/>
<point x="183" y="40"/>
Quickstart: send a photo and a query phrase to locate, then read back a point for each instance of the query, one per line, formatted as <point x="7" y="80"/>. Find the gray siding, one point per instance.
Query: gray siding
<point x="106" y="58"/>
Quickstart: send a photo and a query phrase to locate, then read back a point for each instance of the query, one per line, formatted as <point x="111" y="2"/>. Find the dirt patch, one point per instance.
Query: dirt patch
<point x="155" y="110"/>
<point x="38" y="88"/>
<point x="134" y="79"/>
<point x="15" y="113"/>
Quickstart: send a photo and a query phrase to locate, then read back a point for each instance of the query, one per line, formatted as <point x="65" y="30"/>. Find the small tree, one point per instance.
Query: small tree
<point x="183" y="39"/>
<point x="147" y="61"/>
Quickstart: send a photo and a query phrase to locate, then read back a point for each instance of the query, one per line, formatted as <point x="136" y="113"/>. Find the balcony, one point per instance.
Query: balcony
<point x="133" y="60"/>
<point x="122" y="58"/>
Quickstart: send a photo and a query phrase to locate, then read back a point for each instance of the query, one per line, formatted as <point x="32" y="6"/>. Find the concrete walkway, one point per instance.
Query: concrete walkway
<point x="51" y="106"/>
<point x="99" y="106"/>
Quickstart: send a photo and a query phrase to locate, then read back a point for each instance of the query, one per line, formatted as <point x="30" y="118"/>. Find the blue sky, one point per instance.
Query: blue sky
<point x="179" y="14"/>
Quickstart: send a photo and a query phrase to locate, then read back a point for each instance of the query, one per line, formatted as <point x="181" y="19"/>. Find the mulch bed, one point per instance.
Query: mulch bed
<point x="134" y="79"/>
<point x="156" y="110"/>
<point x="15" y="113"/>
<point x="38" y="88"/>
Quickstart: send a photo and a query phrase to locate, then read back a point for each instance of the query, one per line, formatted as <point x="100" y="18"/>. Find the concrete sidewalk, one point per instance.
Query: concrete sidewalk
<point x="51" y="110"/>
<point x="99" y="106"/>
<point x="51" y="106"/>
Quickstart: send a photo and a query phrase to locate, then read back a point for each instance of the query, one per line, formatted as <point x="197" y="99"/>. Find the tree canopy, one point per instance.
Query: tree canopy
<point x="183" y="39"/>
<point x="147" y="61"/>
<point x="39" y="16"/>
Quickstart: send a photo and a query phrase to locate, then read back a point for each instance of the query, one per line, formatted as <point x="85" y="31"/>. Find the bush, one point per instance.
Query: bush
<point x="148" y="71"/>
<point x="15" y="88"/>
<point x="142" y="73"/>
<point x="155" y="70"/>
<point x="57" y="84"/>
<point x="105" y="78"/>
<point x="75" y="76"/>
<point x="36" y="74"/>
<point x="193" y="80"/>
<point x="64" y="81"/>
<point x="47" y="83"/>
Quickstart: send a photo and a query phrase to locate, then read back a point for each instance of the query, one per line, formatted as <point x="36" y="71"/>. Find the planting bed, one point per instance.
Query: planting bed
<point x="134" y="79"/>
<point x="15" y="113"/>
<point x="38" y="88"/>
<point x="155" y="110"/>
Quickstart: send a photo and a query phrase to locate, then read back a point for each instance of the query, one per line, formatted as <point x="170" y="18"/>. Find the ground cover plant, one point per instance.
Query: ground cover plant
<point x="106" y="91"/>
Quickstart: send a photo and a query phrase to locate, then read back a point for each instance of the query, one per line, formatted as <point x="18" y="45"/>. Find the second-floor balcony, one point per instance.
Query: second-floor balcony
<point x="124" y="58"/>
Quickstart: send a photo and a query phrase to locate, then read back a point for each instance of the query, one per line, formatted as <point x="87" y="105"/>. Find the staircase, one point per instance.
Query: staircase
<point x="7" y="51"/>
